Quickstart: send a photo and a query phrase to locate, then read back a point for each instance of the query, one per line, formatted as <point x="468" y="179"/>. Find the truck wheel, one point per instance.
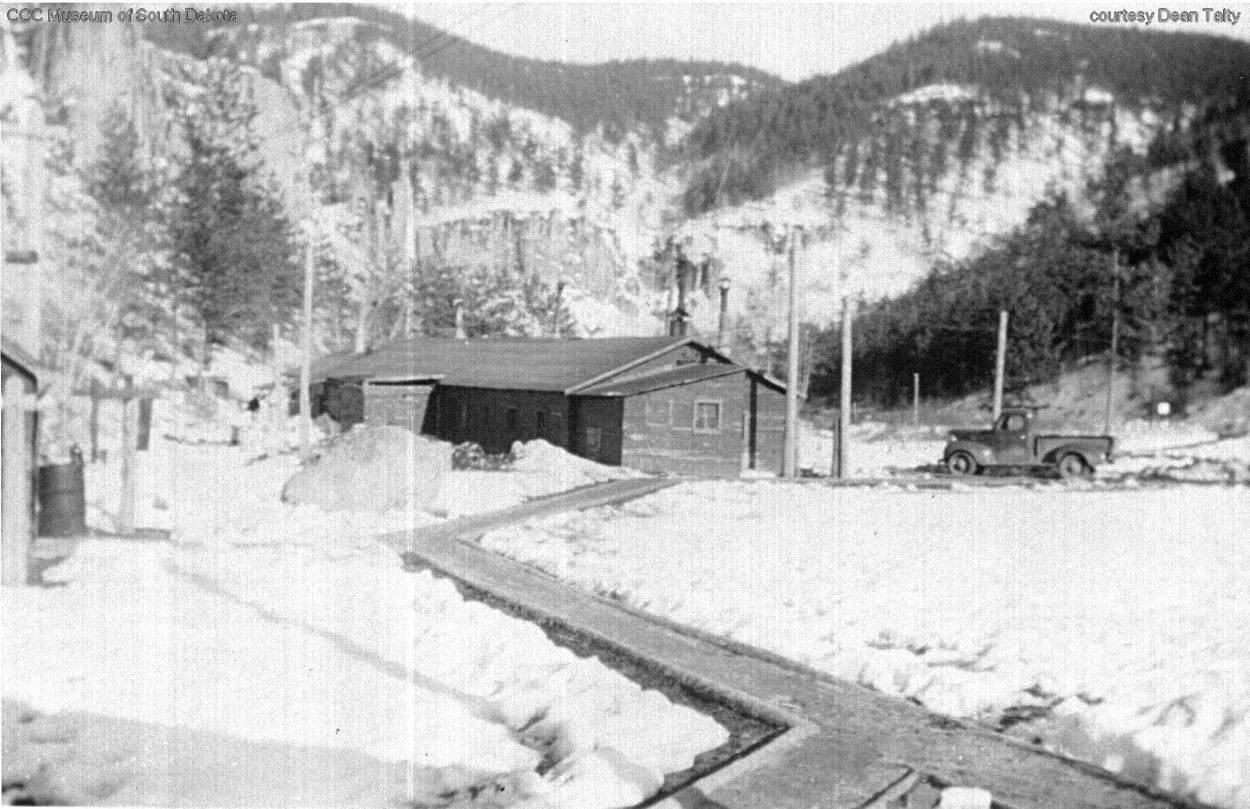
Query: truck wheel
<point x="962" y="463"/>
<point x="1073" y="466"/>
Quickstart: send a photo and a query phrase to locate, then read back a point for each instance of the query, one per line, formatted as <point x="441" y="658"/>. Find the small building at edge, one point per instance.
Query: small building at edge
<point x="656" y="404"/>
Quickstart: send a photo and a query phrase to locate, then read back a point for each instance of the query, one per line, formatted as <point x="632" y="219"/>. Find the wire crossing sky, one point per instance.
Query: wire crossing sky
<point x="792" y="40"/>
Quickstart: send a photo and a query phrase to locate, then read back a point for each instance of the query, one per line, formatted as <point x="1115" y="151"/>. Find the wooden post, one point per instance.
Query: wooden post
<point x="1114" y="353"/>
<point x="126" y="508"/>
<point x="144" y="439"/>
<point x="790" y="455"/>
<point x="93" y="424"/>
<point x="844" y="404"/>
<point x="1000" y="363"/>
<point x="306" y="341"/>
<point x="17" y="477"/>
<point x="835" y="461"/>
<point x="915" y="399"/>
<point x="305" y="366"/>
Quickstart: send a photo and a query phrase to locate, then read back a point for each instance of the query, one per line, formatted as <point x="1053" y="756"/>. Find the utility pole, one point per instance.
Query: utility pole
<point x="790" y="454"/>
<point x="1114" y="353"/>
<point x="915" y="399"/>
<point x="306" y="340"/>
<point x="1000" y="363"/>
<point x="410" y="240"/>
<point x="305" y="365"/>
<point x="842" y="439"/>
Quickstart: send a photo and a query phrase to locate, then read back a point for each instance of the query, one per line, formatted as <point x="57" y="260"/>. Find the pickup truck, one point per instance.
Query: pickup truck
<point x="1011" y="442"/>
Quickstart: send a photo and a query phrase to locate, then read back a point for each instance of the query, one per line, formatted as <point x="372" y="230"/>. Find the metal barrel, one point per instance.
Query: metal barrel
<point x="62" y="499"/>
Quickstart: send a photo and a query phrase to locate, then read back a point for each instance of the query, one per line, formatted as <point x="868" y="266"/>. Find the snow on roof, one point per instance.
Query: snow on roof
<point x="548" y="364"/>
<point x="664" y="378"/>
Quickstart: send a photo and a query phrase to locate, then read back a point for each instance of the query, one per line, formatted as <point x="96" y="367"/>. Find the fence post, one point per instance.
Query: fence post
<point x="835" y="462"/>
<point x="18" y="485"/>
<point x="126" y="508"/>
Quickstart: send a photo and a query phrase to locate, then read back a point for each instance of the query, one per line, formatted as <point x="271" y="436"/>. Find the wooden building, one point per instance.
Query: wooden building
<point x="657" y="404"/>
<point x="20" y="434"/>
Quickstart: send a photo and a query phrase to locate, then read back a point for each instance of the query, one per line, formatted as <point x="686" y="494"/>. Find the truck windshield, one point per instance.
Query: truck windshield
<point x="1014" y="422"/>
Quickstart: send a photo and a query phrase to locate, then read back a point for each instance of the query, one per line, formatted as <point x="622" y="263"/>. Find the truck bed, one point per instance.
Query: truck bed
<point x="1098" y="446"/>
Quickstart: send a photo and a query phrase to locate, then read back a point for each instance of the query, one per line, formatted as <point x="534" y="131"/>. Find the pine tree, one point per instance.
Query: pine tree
<point x="127" y="232"/>
<point x="231" y="242"/>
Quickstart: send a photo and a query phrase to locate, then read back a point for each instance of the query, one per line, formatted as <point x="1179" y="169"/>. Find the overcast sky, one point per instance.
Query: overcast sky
<point x="793" y="40"/>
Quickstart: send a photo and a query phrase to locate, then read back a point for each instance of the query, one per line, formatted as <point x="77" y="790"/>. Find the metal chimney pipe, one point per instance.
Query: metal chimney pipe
<point x="722" y="322"/>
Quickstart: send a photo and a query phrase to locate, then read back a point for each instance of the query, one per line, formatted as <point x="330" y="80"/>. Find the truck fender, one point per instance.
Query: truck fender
<point x="978" y="451"/>
<point x="1055" y="454"/>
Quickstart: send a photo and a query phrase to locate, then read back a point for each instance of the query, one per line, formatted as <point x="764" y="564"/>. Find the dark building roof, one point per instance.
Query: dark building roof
<point x="663" y="378"/>
<point x="541" y="364"/>
<point x="19" y="357"/>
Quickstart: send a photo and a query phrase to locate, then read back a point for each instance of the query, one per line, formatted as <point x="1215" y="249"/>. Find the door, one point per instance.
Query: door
<point x="1010" y="439"/>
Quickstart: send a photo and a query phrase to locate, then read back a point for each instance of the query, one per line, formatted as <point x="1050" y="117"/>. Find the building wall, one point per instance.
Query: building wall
<point x="660" y="433"/>
<point x="766" y="440"/>
<point x="30" y="425"/>
<point x="596" y="430"/>
<point x="496" y="418"/>
<point x="397" y="403"/>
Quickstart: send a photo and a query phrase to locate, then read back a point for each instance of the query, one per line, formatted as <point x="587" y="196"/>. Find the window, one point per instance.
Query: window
<point x="1013" y="422"/>
<point x="540" y="424"/>
<point x="707" y="417"/>
<point x="659" y="413"/>
<point x="594" y="440"/>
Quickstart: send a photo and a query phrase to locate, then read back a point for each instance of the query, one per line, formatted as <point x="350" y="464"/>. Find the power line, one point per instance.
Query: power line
<point x="460" y="40"/>
<point x="446" y="32"/>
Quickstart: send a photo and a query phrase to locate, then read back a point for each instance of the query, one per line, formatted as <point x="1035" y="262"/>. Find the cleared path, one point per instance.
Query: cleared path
<point x="844" y="746"/>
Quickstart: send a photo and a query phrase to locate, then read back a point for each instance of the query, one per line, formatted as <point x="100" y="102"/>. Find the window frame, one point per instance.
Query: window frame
<point x="597" y="446"/>
<point x="720" y="420"/>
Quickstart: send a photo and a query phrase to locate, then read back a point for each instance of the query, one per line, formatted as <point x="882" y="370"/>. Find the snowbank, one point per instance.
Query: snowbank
<point x="373" y="469"/>
<point x="539" y="469"/>
<point x="278" y="654"/>
<point x="1123" y="614"/>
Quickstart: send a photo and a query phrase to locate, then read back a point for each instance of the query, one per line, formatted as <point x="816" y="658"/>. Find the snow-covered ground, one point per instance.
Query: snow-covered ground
<point x="874" y="450"/>
<point x="1122" y="614"/>
<point x="273" y="654"/>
